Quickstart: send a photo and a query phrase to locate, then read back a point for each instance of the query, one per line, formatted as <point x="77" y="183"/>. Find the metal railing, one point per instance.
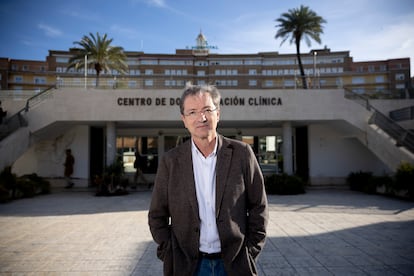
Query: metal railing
<point x="403" y="136"/>
<point x="17" y="120"/>
<point x="403" y="114"/>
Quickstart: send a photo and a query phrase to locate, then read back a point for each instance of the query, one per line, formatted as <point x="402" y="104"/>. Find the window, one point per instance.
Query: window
<point x="25" y="68"/>
<point x="175" y="62"/>
<point x="268" y="83"/>
<point x="18" y="79"/>
<point x="133" y="72"/>
<point x="371" y="68"/>
<point x="358" y="80"/>
<point x="201" y="63"/>
<point x="399" y="77"/>
<point x="383" y="68"/>
<point x="132" y="84"/>
<point x="252" y="62"/>
<point x="400" y="86"/>
<point x="169" y="83"/>
<point x="252" y="72"/>
<point x="201" y="73"/>
<point x="39" y="80"/>
<point x="289" y="83"/>
<point x="149" y="82"/>
<point x="149" y="72"/>
<point x="226" y="62"/>
<point x="132" y="62"/>
<point x="62" y="59"/>
<point x="379" y="79"/>
<point x="252" y="82"/>
<point x="149" y="62"/>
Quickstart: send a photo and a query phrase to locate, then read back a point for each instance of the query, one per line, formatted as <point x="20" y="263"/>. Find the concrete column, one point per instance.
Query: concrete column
<point x="110" y="143"/>
<point x="287" y="148"/>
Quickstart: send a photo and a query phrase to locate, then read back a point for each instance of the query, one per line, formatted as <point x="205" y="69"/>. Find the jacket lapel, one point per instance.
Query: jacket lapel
<point x="187" y="175"/>
<point x="224" y="154"/>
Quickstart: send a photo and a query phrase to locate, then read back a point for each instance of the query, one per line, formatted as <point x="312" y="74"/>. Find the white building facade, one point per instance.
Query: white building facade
<point x="320" y="135"/>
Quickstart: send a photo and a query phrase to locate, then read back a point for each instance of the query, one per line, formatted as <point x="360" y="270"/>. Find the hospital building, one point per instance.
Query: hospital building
<point x="354" y="116"/>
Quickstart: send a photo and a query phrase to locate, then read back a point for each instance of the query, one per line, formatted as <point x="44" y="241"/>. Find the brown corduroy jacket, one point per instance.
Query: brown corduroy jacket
<point x="241" y="209"/>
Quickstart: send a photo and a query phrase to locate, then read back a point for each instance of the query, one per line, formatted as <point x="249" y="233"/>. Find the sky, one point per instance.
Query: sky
<point x="368" y="29"/>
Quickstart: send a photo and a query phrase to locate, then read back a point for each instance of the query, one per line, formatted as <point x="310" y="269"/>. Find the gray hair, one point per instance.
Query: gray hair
<point x="192" y="90"/>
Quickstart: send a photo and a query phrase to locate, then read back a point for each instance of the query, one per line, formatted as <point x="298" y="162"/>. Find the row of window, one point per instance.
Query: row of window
<point x="355" y="80"/>
<point x="372" y="68"/>
<point x="218" y="72"/>
<point x="36" y="80"/>
<point x="287" y="83"/>
<point x="15" y="67"/>
<point x="227" y="62"/>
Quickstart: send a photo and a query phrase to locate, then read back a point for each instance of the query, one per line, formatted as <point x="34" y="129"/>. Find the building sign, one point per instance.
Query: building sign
<point x="202" y="48"/>
<point x="226" y="101"/>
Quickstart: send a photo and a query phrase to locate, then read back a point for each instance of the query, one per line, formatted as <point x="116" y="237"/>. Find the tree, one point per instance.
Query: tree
<point x="100" y="54"/>
<point x="300" y="23"/>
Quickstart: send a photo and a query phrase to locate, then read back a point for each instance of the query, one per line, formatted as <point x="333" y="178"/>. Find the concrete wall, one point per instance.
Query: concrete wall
<point x="333" y="155"/>
<point x="47" y="157"/>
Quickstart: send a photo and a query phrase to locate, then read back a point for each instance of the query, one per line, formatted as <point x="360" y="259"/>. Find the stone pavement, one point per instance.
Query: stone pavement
<point x="323" y="232"/>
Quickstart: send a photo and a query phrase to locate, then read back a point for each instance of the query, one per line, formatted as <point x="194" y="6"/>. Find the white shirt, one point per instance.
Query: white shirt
<point x="205" y="183"/>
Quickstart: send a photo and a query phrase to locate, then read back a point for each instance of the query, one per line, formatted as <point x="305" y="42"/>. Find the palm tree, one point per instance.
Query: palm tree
<point x="100" y="54"/>
<point x="300" y="23"/>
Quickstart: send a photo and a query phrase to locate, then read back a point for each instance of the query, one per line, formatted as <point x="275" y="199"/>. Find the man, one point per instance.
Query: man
<point x="69" y="162"/>
<point x="3" y="114"/>
<point x="139" y="164"/>
<point x="208" y="210"/>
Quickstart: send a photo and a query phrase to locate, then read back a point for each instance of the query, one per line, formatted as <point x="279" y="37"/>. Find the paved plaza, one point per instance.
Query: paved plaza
<point x="323" y="232"/>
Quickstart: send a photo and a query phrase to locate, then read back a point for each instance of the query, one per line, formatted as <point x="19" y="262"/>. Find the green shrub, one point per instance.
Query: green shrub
<point x="25" y="188"/>
<point x="8" y="181"/>
<point x="361" y="181"/>
<point x="13" y="187"/>
<point x="283" y="184"/>
<point x="4" y="194"/>
<point x="404" y="178"/>
<point x="41" y="185"/>
<point x="385" y="181"/>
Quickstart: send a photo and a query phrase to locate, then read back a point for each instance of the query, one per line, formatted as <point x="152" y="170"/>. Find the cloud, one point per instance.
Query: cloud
<point x="124" y="31"/>
<point x="82" y="15"/>
<point x="157" y="3"/>
<point x="49" y="31"/>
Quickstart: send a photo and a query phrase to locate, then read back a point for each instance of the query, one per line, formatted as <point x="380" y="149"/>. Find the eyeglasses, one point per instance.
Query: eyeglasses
<point x="193" y="114"/>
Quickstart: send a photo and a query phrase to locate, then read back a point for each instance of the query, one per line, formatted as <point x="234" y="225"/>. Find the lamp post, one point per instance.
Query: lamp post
<point x="314" y="68"/>
<point x="86" y="70"/>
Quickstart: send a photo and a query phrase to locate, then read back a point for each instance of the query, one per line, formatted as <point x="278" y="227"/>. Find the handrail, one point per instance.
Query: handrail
<point x="17" y="120"/>
<point x="402" y="114"/>
<point x="26" y="108"/>
<point x="403" y="136"/>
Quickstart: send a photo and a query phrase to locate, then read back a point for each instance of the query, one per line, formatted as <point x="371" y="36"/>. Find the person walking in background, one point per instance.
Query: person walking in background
<point x="139" y="164"/>
<point x="208" y="211"/>
<point x="3" y="114"/>
<point x="69" y="162"/>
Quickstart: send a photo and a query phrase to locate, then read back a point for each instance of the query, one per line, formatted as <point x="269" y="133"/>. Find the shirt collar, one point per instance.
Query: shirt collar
<point x="194" y="148"/>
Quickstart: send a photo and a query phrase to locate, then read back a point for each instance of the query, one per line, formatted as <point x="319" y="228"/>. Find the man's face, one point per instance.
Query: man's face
<point x="200" y="116"/>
